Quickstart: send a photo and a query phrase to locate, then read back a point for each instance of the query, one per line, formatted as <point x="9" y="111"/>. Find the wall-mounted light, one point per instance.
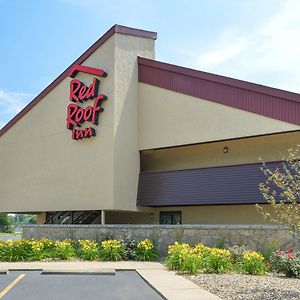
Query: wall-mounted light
<point x="225" y="149"/>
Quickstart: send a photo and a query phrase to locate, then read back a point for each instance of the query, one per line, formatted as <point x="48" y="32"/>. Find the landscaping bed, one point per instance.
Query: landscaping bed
<point x="230" y="273"/>
<point x="249" y="287"/>
<point x="47" y="250"/>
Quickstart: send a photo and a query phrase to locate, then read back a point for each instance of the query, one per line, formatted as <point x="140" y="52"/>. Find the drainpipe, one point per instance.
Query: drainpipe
<point x="102" y="217"/>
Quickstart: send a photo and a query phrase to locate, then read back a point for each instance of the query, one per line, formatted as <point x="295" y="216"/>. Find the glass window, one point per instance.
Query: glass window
<point x="170" y="217"/>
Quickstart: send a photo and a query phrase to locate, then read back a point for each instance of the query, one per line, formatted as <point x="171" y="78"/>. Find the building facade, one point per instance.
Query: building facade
<point x="119" y="137"/>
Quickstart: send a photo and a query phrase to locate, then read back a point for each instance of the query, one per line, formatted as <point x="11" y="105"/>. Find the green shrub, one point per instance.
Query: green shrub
<point x="253" y="263"/>
<point x="29" y="250"/>
<point x="216" y="261"/>
<point x="220" y="242"/>
<point x="146" y="250"/>
<point x="16" y="250"/>
<point x="184" y="258"/>
<point x="191" y="264"/>
<point x="63" y="250"/>
<point x="187" y="259"/>
<point x="112" y="250"/>
<point x="88" y="250"/>
<point x="130" y="246"/>
<point x="287" y="262"/>
<point x="237" y="253"/>
<point x="176" y="254"/>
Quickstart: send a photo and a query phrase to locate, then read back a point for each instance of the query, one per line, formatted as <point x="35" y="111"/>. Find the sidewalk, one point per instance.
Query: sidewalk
<point x="172" y="286"/>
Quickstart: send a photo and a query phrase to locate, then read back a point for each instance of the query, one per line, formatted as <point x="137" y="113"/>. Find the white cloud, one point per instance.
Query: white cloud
<point x="11" y="103"/>
<point x="226" y="52"/>
<point x="268" y="54"/>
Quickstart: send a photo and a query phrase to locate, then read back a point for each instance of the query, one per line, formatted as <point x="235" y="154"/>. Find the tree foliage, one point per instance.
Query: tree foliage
<point x="282" y="191"/>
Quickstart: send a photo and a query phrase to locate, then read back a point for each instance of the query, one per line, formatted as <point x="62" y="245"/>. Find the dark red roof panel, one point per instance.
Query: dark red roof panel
<point x="255" y="98"/>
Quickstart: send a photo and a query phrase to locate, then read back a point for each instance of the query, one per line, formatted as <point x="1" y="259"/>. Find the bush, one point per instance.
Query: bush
<point x="287" y="262"/>
<point x="29" y="250"/>
<point x="187" y="259"/>
<point x="63" y="250"/>
<point x="237" y="253"/>
<point x="130" y="246"/>
<point x="176" y="254"/>
<point x="183" y="258"/>
<point x="253" y="263"/>
<point x="16" y="251"/>
<point x="146" y="250"/>
<point x="216" y="261"/>
<point x="112" y="250"/>
<point x="88" y="250"/>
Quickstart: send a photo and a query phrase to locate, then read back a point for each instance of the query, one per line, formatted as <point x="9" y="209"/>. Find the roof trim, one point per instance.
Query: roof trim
<point x="262" y="100"/>
<point x="114" y="29"/>
<point x="246" y="85"/>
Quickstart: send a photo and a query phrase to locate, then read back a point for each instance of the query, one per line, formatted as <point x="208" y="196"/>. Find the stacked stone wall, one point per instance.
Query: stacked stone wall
<point x="256" y="237"/>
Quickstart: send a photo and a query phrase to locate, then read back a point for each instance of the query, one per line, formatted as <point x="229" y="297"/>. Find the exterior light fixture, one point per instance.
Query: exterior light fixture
<point x="225" y="149"/>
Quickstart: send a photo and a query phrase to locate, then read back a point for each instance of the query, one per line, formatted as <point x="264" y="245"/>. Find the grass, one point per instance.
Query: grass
<point x="10" y="233"/>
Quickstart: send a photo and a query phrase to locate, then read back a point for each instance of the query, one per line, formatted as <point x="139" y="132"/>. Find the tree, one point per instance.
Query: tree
<point x="282" y="191"/>
<point x="5" y="223"/>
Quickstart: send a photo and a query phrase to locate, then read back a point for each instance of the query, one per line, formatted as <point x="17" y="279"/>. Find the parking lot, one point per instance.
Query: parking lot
<point x="34" y="285"/>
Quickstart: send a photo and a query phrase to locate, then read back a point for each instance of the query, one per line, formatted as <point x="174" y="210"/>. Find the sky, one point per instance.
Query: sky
<point x="252" y="40"/>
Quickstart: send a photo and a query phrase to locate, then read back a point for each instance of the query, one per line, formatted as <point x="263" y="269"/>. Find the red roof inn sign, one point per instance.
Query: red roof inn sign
<point x="79" y="93"/>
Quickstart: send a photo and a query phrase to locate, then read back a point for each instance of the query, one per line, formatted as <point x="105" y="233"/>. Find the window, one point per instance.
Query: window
<point x="170" y="217"/>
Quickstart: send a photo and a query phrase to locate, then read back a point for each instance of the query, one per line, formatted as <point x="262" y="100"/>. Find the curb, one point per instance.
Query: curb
<point x="79" y="272"/>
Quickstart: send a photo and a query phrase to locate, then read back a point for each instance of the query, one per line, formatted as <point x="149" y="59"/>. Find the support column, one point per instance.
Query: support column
<point x="102" y="217"/>
<point x="41" y="218"/>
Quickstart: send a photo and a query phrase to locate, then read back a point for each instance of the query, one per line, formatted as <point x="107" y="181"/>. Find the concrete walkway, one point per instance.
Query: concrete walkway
<point x="168" y="284"/>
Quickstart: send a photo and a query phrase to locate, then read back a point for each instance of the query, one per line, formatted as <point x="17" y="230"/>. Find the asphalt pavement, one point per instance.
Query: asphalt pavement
<point x="33" y="285"/>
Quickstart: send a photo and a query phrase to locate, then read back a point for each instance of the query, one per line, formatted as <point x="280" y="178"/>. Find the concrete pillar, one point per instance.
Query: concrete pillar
<point x="41" y="218"/>
<point x="102" y="217"/>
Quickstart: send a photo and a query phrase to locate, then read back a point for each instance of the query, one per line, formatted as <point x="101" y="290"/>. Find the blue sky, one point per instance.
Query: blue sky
<point x="257" y="41"/>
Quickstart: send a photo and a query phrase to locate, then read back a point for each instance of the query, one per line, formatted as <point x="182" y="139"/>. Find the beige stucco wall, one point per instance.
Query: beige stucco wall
<point x="217" y="214"/>
<point x="241" y="151"/>
<point x="126" y="160"/>
<point x="168" y="118"/>
<point x="43" y="169"/>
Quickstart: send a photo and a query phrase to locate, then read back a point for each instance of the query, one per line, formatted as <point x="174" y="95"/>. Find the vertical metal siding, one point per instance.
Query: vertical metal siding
<point x="270" y="104"/>
<point x="218" y="185"/>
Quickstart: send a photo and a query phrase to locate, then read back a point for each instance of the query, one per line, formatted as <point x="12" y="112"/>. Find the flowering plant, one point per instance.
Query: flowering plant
<point x="216" y="261"/>
<point x="112" y="250"/>
<point x="63" y="250"/>
<point x="253" y="263"/>
<point x="146" y="250"/>
<point x="287" y="262"/>
<point x="88" y="250"/>
<point x="183" y="258"/>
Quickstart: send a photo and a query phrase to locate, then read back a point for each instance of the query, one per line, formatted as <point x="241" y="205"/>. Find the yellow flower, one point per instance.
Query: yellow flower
<point x="145" y="244"/>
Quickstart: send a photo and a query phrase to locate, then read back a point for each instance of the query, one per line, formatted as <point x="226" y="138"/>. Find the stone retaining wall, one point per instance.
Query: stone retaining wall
<point x="256" y="237"/>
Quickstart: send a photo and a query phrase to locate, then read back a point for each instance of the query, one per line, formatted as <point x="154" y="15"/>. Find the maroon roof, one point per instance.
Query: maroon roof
<point x="255" y="98"/>
<point x="115" y="29"/>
